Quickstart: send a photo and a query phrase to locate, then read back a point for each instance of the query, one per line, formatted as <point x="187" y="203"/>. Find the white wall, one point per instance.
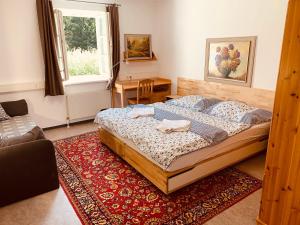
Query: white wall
<point x="185" y="26"/>
<point x="140" y="17"/>
<point x="179" y="30"/>
<point x="21" y="59"/>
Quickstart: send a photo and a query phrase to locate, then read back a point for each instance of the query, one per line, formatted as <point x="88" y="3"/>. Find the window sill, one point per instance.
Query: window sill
<point x="85" y="80"/>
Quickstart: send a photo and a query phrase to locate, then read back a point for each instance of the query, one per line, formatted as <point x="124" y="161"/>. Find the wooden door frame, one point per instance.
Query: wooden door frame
<point x="280" y="204"/>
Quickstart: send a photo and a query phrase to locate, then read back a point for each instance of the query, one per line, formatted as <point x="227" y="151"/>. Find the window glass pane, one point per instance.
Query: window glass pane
<point x="101" y="46"/>
<point x="82" y="49"/>
<point x="59" y="48"/>
<point x="60" y="63"/>
<point x="102" y="26"/>
<point x="60" y="52"/>
<point x="105" y="46"/>
<point x="85" y="40"/>
<point x="63" y="75"/>
<point x="103" y="65"/>
<point x="102" y="40"/>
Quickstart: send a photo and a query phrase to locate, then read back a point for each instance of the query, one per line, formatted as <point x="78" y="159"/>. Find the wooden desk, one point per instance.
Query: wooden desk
<point x="162" y="88"/>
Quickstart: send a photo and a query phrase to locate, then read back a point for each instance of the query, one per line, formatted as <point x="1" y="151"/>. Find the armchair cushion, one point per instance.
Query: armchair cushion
<point x="15" y="108"/>
<point x="16" y="126"/>
<point x="35" y="134"/>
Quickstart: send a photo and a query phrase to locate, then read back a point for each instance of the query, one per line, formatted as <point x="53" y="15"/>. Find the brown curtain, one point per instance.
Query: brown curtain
<point x="53" y="80"/>
<point x="115" y="36"/>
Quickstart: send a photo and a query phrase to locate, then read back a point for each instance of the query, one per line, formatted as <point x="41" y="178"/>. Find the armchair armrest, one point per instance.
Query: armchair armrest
<point x="27" y="170"/>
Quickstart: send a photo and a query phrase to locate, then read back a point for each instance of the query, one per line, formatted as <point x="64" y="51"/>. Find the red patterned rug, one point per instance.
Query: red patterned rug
<point x="104" y="189"/>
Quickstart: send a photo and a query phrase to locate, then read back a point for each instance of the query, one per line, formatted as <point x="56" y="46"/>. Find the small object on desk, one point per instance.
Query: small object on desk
<point x="170" y="97"/>
<point x="161" y="89"/>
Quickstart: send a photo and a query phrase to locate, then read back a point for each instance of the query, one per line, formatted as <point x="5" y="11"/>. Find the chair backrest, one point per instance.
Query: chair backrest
<point x="145" y="89"/>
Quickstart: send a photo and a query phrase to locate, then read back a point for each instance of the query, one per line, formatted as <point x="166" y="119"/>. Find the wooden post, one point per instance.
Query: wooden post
<point x="280" y="204"/>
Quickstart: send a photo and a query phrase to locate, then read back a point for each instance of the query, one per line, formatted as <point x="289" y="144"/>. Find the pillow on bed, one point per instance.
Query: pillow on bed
<point x="195" y="102"/>
<point x="230" y="110"/>
<point x="3" y="114"/>
<point x="256" y="116"/>
<point x="239" y="112"/>
<point x="205" y="103"/>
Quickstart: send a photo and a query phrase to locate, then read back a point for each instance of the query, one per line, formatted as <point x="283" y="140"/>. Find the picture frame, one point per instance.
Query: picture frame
<point x="138" y="46"/>
<point x="230" y="60"/>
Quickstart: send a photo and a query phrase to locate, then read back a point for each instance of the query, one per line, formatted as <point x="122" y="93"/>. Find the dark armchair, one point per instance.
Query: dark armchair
<point x="26" y="169"/>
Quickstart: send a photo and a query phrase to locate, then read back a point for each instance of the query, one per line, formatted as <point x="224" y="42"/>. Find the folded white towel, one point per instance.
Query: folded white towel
<point x="168" y="126"/>
<point x="140" y="112"/>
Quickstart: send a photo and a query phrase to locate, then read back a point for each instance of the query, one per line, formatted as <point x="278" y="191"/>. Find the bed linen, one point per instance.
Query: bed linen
<point x="255" y="132"/>
<point x="211" y="134"/>
<point x="239" y="112"/>
<point x="156" y="145"/>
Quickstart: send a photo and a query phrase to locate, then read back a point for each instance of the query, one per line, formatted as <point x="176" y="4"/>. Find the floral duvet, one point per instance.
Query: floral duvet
<point x="160" y="147"/>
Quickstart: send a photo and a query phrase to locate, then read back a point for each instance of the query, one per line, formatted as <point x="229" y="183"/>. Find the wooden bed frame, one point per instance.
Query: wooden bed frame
<point x="171" y="181"/>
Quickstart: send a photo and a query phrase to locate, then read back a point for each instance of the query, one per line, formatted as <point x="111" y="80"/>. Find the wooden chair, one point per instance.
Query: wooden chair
<point x="144" y="92"/>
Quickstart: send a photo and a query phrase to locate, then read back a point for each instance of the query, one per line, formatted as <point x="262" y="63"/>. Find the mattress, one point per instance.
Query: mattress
<point x="254" y="133"/>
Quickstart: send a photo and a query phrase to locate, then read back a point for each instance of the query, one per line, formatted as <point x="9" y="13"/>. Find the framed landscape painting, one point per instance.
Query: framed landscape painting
<point x="230" y="60"/>
<point x="138" y="46"/>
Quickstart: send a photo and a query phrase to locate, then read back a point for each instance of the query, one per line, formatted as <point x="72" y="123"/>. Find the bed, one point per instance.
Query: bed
<point x="184" y="164"/>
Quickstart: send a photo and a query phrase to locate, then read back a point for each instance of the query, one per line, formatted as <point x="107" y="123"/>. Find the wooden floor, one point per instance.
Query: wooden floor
<point x="53" y="208"/>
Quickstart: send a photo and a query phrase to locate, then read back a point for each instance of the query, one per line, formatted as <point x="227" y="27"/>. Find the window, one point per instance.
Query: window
<point x="83" y="44"/>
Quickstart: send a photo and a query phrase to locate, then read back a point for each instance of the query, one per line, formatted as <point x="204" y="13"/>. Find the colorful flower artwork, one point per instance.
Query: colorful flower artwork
<point x="230" y="60"/>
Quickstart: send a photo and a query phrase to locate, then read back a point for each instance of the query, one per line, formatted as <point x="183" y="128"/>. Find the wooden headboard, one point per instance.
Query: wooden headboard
<point x="260" y="98"/>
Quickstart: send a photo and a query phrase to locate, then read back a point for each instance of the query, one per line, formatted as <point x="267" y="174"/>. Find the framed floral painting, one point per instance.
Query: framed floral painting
<point x="230" y="60"/>
<point x="138" y="46"/>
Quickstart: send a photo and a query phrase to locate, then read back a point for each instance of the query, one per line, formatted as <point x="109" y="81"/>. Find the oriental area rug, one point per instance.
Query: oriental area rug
<point x="104" y="189"/>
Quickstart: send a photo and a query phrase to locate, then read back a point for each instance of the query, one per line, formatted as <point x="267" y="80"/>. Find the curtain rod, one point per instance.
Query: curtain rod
<point x="99" y="3"/>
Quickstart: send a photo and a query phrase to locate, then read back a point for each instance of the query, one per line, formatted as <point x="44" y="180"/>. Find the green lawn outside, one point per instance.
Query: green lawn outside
<point x="84" y="62"/>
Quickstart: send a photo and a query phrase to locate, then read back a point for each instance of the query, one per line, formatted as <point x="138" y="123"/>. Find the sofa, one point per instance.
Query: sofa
<point x="27" y="158"/>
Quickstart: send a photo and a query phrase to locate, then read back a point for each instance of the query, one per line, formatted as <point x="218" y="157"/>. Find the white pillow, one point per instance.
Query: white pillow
<point x="186" y="102"/>
<point x="194" y="102"/>
<point x="230" y="110"/>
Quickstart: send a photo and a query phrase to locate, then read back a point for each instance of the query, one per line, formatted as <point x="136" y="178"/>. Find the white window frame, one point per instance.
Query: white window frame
<point x="99" y="14"/>
<point x="62" y="50"/>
